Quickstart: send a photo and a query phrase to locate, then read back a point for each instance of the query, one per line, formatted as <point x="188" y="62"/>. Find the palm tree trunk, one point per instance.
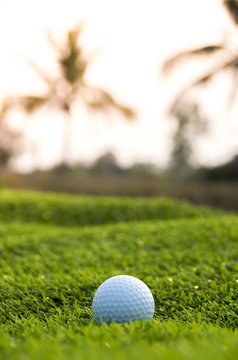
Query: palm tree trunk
<point x="67" y="136"/>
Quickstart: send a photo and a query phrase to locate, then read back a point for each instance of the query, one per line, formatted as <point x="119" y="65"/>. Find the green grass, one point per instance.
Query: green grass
<point x="51" y="266"/>
<point x="66" y="210"/>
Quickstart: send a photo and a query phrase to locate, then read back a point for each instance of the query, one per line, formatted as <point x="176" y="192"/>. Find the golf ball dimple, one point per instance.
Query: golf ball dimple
<point x="122" y="299"/>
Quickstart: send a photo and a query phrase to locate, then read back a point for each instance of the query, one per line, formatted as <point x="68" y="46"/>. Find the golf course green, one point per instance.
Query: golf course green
<point x="55" y="250"/>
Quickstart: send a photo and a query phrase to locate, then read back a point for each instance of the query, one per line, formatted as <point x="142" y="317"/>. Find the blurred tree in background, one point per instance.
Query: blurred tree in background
<point x="10" y="139"/>
<point x="224" y="172"/>
<point x="70" y="86"/>
<point x="106" y="165"/>
<point x="190" y="124"/>
<point x="224" y="58"/>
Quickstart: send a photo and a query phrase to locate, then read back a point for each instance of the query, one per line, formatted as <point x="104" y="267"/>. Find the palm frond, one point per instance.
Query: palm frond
<point x="206" y="77"/>
<point x="32" y="103"/>
<point x="102" y="100"/>
<point x="72" y="60"/>
<point x="184" y="55"/>
<point x="232" y="7"/>
<point x="6" y="105"/>
<point x="39" y="71"/>
<point x="128" y="112"/>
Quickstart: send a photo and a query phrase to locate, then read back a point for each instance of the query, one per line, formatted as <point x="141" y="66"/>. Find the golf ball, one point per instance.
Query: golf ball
<point x="122" y="299"/>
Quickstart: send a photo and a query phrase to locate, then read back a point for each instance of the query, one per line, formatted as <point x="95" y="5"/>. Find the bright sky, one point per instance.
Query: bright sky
<point x="129" y="39"/>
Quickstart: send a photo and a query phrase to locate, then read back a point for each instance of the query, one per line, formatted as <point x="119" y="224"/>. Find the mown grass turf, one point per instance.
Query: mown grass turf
<point x="49" y="273"/>
<point x="66" y="210"/>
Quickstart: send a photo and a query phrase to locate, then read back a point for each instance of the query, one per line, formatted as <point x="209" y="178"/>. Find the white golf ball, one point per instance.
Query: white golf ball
<point x="122" y="299"/>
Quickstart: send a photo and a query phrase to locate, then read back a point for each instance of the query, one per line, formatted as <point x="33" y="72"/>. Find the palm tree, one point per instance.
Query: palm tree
<point x="223" y="56"/>
<point x="70" y="86"/>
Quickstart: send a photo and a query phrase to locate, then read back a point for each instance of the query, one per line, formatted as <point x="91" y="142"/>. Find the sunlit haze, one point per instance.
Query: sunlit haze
<point x="128" y="41"/>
